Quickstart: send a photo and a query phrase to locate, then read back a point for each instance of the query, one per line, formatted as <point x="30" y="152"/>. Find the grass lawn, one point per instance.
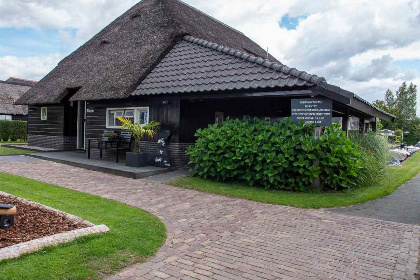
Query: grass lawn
<point x="395" y="178"/>
<point x="134" y="237"/>
<point x="12" y="151"/>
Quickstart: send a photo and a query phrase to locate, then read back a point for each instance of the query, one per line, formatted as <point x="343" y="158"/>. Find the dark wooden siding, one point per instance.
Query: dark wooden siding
<point x="19" y="118"/>
<point x="198" y="113"/>
<point x="167" y="113"/>
<point x="53" y="126"/>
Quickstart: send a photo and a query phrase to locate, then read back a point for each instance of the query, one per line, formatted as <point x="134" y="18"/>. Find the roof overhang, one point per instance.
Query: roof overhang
<point x="362" y="105"/>
<point x="354" y="101"/>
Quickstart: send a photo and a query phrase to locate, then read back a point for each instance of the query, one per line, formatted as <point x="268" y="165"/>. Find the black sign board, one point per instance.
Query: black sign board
<point x="312" y="110"/>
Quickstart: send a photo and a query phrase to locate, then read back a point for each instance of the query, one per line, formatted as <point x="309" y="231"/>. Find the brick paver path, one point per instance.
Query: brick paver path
<point x="216" y="237"/>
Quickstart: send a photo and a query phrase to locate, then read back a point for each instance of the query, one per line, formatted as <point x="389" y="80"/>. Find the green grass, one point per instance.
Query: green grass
<point x="394" y="179"/>
<point x="134" y="237"/>
<point x="12" y="151"/>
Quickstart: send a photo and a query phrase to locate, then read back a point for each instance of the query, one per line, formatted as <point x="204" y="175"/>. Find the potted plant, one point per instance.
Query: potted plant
<point x="109" y="136"/>
<point x="136" y="158"/>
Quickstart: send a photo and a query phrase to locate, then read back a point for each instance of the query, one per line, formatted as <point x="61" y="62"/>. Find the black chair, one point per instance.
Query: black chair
<point x="125" y="142"/>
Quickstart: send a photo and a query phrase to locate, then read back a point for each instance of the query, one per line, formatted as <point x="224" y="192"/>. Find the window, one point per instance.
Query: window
<point x="44" y="113"/>
<point x="5" y="117"/>
<point x="136" y="115"/>
<point x="219" y="117"/>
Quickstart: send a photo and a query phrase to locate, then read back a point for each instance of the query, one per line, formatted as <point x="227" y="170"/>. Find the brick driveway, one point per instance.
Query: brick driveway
<point x="216" y="237"/>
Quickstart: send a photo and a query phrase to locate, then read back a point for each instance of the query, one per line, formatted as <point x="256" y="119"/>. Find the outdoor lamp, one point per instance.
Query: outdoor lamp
<point x="7" y="215"/>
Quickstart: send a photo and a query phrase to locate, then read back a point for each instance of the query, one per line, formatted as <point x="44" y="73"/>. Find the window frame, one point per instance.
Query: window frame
<point x="44" y="117"/>
<point x="136" y="120"/>
<point x="4" y="117"/>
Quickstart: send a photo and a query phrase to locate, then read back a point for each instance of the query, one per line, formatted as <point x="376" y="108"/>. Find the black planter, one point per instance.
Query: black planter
<point x="136" y="160"/>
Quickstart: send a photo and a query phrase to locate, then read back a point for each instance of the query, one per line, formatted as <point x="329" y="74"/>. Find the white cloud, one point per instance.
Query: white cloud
<point x="379" y="68"/>
<point x="27" y="67"/>
<point x="351" y="43"/>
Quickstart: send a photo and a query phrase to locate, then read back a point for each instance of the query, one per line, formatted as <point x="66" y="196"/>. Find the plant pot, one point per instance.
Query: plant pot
<point x="137" y="160"/>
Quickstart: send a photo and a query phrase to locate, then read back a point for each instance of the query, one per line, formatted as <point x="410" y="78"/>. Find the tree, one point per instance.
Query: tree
<point x="406" y="102"/>
<point x="402" y="105"/>
<point x="416" y="131"/>
<point x="383" y="105"/>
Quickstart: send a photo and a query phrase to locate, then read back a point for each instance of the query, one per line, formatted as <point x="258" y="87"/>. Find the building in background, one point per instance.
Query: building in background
<point x="10" y="91"/>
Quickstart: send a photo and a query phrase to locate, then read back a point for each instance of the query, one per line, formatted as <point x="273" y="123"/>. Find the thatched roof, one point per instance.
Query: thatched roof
<point x="113" y="63"/>
<point x="10" y="91"/>
<point x="21" y="82"/>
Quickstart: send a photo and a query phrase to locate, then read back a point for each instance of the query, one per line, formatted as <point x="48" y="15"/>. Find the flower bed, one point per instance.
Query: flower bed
<point x="37" y="226"/>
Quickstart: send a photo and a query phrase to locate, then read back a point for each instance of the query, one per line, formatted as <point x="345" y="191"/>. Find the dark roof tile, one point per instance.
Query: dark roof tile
<point x="198" y="65"/>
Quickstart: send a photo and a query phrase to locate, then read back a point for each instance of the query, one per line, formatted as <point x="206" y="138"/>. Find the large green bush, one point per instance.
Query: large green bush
<point x="282" y="155"/>
<point x="375" y="154"/>
<point x="13" y="130"/>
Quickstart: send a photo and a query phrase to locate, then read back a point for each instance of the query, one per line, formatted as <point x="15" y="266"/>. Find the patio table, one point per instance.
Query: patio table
<point x="103" y="144"/>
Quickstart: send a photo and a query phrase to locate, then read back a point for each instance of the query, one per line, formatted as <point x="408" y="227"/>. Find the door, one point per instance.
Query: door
<point x="81" y="125"/>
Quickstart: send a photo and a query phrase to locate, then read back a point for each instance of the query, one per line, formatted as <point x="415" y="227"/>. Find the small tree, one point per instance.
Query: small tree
<point x="398" y="132"/>
<point x="139" y="130"/>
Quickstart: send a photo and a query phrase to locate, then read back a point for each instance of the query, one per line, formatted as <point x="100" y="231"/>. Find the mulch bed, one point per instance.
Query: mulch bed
<point x="33" y="222"/>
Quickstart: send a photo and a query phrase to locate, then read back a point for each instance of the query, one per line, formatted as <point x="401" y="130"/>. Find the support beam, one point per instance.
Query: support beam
<point x="362" y="125"/>
<point x="345" y="124"/>
<point x="374" y="128"/>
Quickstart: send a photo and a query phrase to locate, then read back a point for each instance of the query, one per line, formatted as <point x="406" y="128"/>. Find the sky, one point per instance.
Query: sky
<point x="365" y="46"/>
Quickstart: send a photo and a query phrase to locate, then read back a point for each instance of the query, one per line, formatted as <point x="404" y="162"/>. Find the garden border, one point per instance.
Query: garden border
<point x="17" y="250"/>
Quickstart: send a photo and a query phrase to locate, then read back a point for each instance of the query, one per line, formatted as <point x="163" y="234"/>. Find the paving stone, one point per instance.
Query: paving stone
<point x="217" y="237"/>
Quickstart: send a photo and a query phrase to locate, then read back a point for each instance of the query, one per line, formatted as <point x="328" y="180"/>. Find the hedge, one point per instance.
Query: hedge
<point x="13" y="130"/>
<point x="282" y="155"/>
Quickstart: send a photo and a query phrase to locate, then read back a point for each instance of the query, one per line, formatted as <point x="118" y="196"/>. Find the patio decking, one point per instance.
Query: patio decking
<point x="105" y="165"/>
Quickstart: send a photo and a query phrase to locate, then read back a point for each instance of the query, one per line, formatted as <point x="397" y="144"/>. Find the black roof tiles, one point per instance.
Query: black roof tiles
<point x="195" y="65"/>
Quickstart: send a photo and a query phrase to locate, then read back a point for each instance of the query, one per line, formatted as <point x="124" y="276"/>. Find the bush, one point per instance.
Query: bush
<point x="375" y="150"/>
<point x="13" y="130"/>
<point x="283" y="155"/>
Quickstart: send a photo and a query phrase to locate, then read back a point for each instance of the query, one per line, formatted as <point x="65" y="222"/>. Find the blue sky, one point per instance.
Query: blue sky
<point x="408" y="64"/>
<point x="24" y="42"/>
<point x="365" y="46"/>
<point x="291" y="23"/>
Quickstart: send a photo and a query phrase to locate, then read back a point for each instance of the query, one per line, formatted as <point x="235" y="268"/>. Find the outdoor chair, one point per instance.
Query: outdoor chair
<point x="125" y="142"/>
<point x="122" y="143"/>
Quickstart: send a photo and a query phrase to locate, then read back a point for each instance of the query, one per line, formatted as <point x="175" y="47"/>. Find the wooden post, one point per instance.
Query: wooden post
<point x="345" y="124"/>
<point x="362" y="125"/>
<point x="317" y="134"/>
<point x="374" y="128"/>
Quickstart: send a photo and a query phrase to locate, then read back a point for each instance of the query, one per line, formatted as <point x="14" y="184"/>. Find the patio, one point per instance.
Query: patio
<point x="106" y="164"/>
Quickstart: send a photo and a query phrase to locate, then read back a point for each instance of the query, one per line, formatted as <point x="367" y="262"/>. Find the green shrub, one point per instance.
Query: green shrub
<point x="375" y="150"/>
<point x="281" y="156"/>
<point x="340" y="159"/>
<point x="13" y="130"/>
